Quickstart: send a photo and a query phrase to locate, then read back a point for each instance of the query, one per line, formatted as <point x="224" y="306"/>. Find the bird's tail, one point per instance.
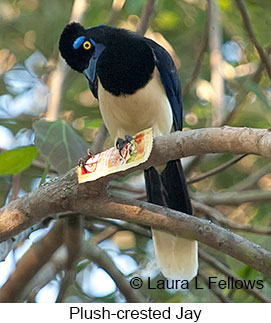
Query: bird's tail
<point x="177" y="257"/>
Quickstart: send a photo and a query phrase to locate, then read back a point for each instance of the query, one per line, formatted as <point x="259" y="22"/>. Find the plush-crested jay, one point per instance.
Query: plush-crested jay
<point x="137" y="85"/>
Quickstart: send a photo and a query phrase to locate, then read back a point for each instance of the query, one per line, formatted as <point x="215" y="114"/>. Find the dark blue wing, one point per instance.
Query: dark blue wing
<point x="171" y="82"/>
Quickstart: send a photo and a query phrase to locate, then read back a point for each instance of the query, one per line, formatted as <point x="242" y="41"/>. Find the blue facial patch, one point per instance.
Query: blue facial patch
<point x="92" y="42"/>
<point x="78" y="42"/>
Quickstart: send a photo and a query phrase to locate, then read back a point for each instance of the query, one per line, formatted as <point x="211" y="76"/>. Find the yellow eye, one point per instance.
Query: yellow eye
<point x="87" y="45"/>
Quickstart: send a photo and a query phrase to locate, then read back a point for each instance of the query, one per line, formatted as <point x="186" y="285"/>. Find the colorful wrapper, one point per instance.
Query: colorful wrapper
<point x="109" y="161"/>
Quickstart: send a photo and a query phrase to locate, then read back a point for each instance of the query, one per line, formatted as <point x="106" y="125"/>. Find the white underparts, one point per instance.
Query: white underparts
<point x="129" y="114"/>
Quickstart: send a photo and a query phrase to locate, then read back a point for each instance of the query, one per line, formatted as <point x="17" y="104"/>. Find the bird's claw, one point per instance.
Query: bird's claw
<point x="121" y="143"/>
<point x="82" y="161"/>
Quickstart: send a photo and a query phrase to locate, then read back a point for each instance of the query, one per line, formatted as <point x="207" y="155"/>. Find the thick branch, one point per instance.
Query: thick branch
<point x="59" y="194"/>
<point x="189" y="227"/>
<point x="65" y="194"/>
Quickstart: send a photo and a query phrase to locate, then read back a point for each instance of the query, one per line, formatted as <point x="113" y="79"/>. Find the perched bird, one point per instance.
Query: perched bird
<point x="137" y="86"/>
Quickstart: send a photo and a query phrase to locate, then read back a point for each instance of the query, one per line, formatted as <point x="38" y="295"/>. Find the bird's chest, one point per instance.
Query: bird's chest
<point x="129" y="114"/>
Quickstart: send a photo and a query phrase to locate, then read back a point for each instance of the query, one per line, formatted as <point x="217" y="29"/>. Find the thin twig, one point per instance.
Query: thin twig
<point x="101" y="258"/>
<point x="201" y="52"/>
<point x="105" y="234"/>
<point x="229" y="273"/>
<point x="214" y="289"/>
<point x="233" y="198"/>
<point x="145" y="18"/>
<point x="250" y="181"/>
<point x="7" y="246"/>
<point x="57" y="77"/>
<point x="66" y="281"/>
<point x="31" y="263"/>
<point x="216" y="170"/>
<point x="117" y="6"/>
<point x="47" y="273"/>
<point x="73" y="241"/>
<point x="217" y="216"/>
<point x="247" y="23"/>
<point x="98" y="143"/>
<point x="217" y="81"/>
<point x="16" y="180"/>
<point x="135" y="228"/>
<point x="73" y="238"/>
<point x="239" y="97"/>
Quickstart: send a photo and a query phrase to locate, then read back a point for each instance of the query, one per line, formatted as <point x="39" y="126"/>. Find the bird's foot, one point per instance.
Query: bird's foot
<point x="82" y="161"/>
<point x="121" y="143"/>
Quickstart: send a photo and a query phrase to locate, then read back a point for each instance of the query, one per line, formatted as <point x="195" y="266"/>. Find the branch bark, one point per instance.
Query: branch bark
<point x="91" y="199"/>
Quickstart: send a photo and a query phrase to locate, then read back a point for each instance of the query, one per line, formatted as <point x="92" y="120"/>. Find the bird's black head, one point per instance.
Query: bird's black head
<point x="122" y="60"/>
<point x="75" y="47"/>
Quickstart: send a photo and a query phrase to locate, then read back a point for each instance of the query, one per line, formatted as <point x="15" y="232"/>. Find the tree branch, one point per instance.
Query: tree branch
<point x="47" y="273"/>
<point x="215" y="290"/>
<point x="201" y="52"/>
<point x="66" y="195"/>
<point x="218" y="217"/>
<point x="247" y="23"/>
<point x="252" y="179"/>
<point x="189" y="227"/>
<point x="215" y="170"/>
<point x="59" y="75"/>
<point x="31" y="263"/>
<point x="228" y="273"/>
<point x="8" y="245"/>
<point x="217" y="81"/>
<point x="101" y="258"/>
<point x="233" y="198"/>
<point x="147" y="12"/>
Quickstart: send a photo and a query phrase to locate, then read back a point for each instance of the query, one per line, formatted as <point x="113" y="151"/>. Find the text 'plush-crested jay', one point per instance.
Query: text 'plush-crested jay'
<point x="137" y="85"/>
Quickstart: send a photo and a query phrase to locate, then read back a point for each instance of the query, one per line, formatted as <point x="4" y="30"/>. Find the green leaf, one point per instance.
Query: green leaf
<point x="58" y="143"/>
<point x="95" y="123"/>
<point x="16" y="160"/>
<point x="248" y="273"/>
<point x="82" y="265"/>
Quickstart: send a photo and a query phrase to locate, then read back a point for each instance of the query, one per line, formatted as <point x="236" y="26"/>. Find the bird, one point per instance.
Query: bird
<point x="137" y="86"/>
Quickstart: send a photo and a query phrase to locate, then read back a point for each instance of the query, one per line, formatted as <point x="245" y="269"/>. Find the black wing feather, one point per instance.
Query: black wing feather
<point x="170" y="80"/>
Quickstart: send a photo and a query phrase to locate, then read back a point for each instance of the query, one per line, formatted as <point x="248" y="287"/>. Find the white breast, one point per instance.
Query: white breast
<point x="129" y="114"/>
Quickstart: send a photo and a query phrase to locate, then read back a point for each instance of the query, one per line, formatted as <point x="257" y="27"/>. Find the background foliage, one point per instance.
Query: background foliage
<point x="34" y="151"/>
